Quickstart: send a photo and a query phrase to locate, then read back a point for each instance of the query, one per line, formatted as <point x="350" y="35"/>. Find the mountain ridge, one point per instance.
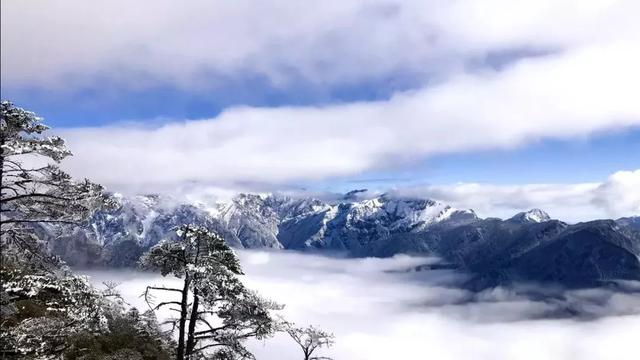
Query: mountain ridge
<point x="495" y="250"/>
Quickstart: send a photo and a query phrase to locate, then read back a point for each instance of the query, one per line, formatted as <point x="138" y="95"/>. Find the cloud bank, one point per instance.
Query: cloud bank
<point x="617" y="196"/>
<point x="376" y="314"/>
<point x="63" y="43"/>
<point x="559" y="96"/>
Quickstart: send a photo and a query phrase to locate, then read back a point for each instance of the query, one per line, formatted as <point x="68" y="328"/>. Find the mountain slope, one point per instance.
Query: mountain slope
<point x="586" y="254"/>
<point x="530" y="246"/>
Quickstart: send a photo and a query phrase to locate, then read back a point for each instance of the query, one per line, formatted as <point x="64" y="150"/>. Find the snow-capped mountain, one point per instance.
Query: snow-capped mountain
<point x="531" y="216"/>
<point x="118" y="237"/>
<point x="494" y="249"/>
<point x="284" y="222"/>
<point x="258" y="221"/>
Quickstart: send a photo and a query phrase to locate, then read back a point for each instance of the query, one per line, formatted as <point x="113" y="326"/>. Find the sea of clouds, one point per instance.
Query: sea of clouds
<point x="382" y="309"/>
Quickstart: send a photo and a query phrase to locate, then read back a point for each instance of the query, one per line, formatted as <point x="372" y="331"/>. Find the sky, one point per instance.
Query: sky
<point x="377" y="311"/>
<point x="494" y="105"/>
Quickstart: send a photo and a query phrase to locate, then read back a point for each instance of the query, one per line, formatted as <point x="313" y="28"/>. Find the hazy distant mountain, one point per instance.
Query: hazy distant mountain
<point x="632" y="222"/>
<point x="530" y="246"/>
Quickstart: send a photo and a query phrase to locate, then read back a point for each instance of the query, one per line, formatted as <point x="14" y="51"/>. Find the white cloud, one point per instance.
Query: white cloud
<point x="376" y="314"/>
<point x="620" y="194"/>
<point x="567" y="202"/>
<point x="566" y="95"/>
<point x="60" y="43"/>
<point x="617" y="196"/>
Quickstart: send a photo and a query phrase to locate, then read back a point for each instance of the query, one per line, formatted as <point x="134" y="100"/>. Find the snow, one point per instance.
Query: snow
<point x="256" y="219"/>
<point x="534" y="215"/>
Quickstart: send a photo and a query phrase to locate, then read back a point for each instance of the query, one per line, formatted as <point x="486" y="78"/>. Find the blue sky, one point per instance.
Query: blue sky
<point x="517" y="103"/>
<point x="105" y="103"/>
<point x="546" y="162"/>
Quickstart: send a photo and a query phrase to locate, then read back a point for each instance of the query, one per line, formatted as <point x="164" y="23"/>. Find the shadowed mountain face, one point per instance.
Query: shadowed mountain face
<point x="586" y="254"/>
<point x="630" y="222"/>
<point x="527" y="247"/>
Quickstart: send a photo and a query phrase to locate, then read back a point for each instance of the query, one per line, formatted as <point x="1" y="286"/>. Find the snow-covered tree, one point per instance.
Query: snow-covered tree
<point x="131" y="335"/>
<point x="47" y="314"/>
<point x="44" y="308"/>
<point x="309" y="339"/>
<point x="216" y="312"/>
<point x="34" y="190"/>
<point x="41" y="311"/>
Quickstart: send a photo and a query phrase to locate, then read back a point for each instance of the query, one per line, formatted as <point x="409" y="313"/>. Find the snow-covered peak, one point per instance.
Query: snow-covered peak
<point x="531" y="216"/>
<point x="276" y="220"/>
<point x="398" y="213"/>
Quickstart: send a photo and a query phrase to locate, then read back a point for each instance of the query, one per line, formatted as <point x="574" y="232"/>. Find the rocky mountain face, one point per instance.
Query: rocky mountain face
<point x="632" y="222"/>
<point x="586" y="254"/>
<point x="252" y="221"/>
<point x="527" y="247"/>
<point x="117" y="238"/>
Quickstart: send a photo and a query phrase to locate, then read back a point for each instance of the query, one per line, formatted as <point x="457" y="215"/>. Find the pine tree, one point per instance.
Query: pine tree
<point x="216" y="311"/>
<point x="35" y="191"/>
<point x="309" y="339"/>
<point x="41" y="311"/>
<point x="44" y="308"/>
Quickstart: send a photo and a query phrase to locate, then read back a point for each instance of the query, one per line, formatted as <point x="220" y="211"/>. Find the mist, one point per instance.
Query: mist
<point x="383" y="309"/>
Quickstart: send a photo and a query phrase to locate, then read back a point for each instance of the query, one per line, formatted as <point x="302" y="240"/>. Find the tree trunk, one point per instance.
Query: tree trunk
<point x="184" y="305"/>
<point x="1" y="168"/>
<point x="191" y="339"/>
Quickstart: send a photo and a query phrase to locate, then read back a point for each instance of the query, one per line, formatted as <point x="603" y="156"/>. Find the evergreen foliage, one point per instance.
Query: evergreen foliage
<point x="216" y="312"/>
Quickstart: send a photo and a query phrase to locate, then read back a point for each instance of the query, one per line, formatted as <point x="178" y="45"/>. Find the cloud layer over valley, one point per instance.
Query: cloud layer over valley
<point x="377" y="312"/>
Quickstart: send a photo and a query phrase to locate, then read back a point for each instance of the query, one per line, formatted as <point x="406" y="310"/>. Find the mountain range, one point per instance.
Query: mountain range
<point x="529" y="247"/>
